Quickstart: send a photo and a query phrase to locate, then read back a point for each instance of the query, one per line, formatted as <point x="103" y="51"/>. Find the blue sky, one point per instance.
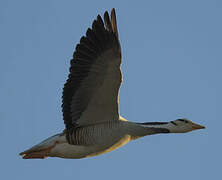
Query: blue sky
<point x="171" y="67"/>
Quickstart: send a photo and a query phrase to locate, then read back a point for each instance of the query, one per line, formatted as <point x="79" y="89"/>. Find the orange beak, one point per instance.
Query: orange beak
<point x="197" y="126"/>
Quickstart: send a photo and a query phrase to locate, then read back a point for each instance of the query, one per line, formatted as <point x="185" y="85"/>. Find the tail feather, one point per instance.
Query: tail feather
<point x="41" y="150"/>
<point x="34" y="155"/>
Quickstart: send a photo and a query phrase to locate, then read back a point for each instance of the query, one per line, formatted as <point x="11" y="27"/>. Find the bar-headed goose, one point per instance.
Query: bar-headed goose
<point x="90" y="101"/>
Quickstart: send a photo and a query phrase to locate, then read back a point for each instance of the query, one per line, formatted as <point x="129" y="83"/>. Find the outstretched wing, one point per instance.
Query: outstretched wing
<point x="90" y="95"/>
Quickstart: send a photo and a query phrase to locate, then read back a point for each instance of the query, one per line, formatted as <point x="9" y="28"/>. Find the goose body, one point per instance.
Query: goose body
<point x="93" y="125"/>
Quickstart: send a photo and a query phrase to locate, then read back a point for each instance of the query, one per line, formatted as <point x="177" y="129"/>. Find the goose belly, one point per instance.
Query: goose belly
<point x="65" y="150"/>
<point x="116" y="145"/>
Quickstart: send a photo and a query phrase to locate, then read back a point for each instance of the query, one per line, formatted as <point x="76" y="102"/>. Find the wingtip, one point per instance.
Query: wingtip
<point x="113" y="10"/>
<point x="114" y="22"/>
<point x="106" y="14"/>
<point x="107" y="22"/>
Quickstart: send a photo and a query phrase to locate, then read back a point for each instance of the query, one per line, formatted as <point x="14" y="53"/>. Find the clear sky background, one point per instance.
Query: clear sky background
<point x="172" y="68"/>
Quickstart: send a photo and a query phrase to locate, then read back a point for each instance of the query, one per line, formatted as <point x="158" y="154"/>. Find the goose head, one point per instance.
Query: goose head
<point x="184" y="125"/>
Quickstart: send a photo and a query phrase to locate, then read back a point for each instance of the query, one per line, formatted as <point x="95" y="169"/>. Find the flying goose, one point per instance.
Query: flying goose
<point x="93" y="125"/>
